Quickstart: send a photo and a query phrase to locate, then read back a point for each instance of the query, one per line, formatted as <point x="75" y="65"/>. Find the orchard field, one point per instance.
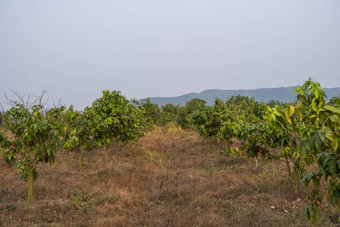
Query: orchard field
<point x="168" y="179"/>
<point x="123" y="162"/>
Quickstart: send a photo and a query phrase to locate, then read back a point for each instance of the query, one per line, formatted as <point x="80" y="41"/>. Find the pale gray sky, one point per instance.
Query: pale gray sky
<point x="76" y="48"/>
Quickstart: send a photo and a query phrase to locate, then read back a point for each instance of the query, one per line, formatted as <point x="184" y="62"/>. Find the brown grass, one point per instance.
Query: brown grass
<point x="168" y="179"/>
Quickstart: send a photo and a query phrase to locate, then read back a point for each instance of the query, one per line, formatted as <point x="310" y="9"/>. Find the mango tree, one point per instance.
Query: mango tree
<point x="318" y="125"/>
<point x="245" y="122"/>
<point x="239" y="117"/>
<point x="34" y="138"/>
<point x="169" y="112"/>
<point x="308" y="132"/>
<point x="80" y="128"/>
<point x="184" y="114"/>
<point x="209" y="119"/>
<point x="120" y="120"/>
<point x="151" y="113"/>
<point x="287" y="139"/>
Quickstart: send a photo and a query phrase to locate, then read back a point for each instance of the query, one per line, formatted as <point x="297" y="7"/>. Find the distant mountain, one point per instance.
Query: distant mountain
<point x="282" y="94"/>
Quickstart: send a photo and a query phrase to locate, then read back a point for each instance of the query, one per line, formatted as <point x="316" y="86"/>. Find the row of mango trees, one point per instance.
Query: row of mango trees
<point x="305" y="133"/>
<point x="32" y="134"/>
<point x="300" y="134"/>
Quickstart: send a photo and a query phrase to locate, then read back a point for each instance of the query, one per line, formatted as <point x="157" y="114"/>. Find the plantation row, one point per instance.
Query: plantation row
<point x="302" y="134"/>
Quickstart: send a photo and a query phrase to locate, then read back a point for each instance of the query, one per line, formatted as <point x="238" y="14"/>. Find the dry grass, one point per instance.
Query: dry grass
<point x="168" y="179"/>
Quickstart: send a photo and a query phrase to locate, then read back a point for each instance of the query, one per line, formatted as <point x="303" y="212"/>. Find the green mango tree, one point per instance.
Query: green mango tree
<point x="34" y="137"/>
<point x="120" y="120"/>
<point x="245" y="122"/>
<point x="318" y="125"/>
<point x="151" y="113"/>
<point x="286" y="138"/>
<point x="169" y="113"/>
<point x="80" y="130"/>
<point x="239" y="117"/>
<point x="185" y="112"/>
<point x="209" y="119"/>
<point x="308" y="132"/>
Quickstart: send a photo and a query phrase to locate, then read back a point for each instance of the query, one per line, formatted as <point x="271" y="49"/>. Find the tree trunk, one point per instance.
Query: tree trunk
<point x="30" y="187"/>
<point x="296" y="185"/>
<point x="288" y="168"/>
<point x="80" y="158"/>
<point x="293" y="178"/>
<point x="256" y="163"/>
<point x="107" y="149"/>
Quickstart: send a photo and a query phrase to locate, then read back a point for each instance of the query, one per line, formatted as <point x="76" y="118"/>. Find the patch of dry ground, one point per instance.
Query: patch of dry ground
<point x="177" y="179"/>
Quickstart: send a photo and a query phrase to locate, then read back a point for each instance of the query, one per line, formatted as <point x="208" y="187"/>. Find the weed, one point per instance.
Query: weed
<point x="258" y="170"/>
<point x="149" y="153"/>
<point x="79" y="200"/>
<point x="172" y="128"/>
<point x="262" y="188"/>
<point x="207" y="168"/>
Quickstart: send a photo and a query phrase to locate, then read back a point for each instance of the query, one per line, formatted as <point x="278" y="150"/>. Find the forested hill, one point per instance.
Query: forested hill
<point x="282" y="94"/>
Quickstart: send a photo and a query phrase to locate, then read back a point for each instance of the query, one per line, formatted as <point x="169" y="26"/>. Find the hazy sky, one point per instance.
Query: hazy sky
<point x="77" y="48"/>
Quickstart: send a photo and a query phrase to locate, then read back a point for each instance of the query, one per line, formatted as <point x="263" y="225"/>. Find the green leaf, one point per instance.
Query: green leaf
<point x="317" y="94"/>
<point x="309" y="176"/>
<point x="329" y="134"/>
<point x="332" y="109"/>
<point x="325" y="160"/>
<point x="332" y="166"/>
<point x="335" y="144"/>
<point x="322" y="137"/>
<point x="335" y="119"/>
<point x="314" y="106"/>
<point x="318" y="142"/>
<point x="307" y="212"/>
<point x="312" y="116"/>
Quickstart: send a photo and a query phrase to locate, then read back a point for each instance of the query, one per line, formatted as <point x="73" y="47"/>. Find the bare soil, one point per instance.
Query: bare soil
<point x="167" y="179"/>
